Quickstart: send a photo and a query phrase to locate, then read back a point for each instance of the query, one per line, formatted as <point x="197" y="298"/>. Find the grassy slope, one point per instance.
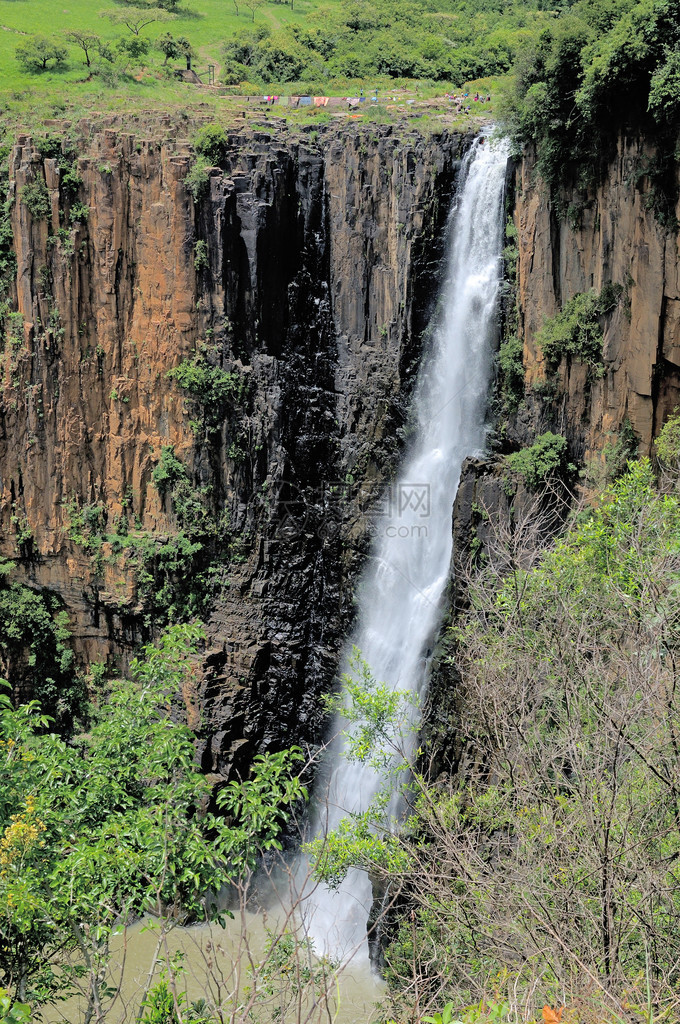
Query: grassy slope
<point x="31" y="98"/>
<point x="212" y="21"/>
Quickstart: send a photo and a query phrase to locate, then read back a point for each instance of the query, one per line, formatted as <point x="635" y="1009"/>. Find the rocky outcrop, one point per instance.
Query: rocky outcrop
<point x="307" y="269"/>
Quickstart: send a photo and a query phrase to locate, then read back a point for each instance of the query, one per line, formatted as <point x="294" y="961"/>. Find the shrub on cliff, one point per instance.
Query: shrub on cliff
<point x="211" y="142"/>
<point x="511" y="372"/>
<point x="576" y="330"/>
<point x="168" y="471"/>
<point x="197" y="180"/>
<point x="664" y="91"/>
<point x="213" y="389"/>
<point x="35" y="652"/>
<point x="667" y="443"/>
<point x="36" y="198"/>
<point x="546" y="456"/>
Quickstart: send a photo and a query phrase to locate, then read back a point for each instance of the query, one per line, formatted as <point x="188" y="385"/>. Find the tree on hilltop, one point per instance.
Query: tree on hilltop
<point x="41" y="54"/>
<point x="137" y="18"/>
<point x="167" y="5"/>
<point x="89" y="43"/>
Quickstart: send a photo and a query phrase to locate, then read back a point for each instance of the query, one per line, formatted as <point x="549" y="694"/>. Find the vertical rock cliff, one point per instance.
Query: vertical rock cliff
<point x="609" y="235"/>
<point x="568" y="245"/>
<point x="296" y="287"/>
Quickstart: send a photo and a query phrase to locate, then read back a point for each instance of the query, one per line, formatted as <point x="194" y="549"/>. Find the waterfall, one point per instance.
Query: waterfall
<point x="401" y="592"/>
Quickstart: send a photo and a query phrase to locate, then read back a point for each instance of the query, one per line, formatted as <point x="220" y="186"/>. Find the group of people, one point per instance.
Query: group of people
<point x="461" y="105"/>
<point x="355" y="101"/>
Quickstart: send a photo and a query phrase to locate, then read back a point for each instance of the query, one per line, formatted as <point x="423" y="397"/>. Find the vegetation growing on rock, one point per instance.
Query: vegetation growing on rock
<point x="545" y="457"/>
<point x="35" y="650"/>
<point x="597" y="68"/>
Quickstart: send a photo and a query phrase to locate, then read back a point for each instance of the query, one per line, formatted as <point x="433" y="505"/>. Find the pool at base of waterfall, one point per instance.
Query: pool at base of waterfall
<point x="239" y="971"/>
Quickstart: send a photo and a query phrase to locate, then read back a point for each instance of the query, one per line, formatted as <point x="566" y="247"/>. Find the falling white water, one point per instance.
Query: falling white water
<point x="401" y="592"/>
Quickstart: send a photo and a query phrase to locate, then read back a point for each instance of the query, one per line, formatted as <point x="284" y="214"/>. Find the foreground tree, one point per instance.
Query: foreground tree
<point x="547" y="861"/>
<point x="96" y="832"/>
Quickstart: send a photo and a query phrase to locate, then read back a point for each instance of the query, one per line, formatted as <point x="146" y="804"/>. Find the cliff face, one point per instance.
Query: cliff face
<point x="581" y="243"/>
<point x="612" y="235"/>
<point x="306" y="271"/>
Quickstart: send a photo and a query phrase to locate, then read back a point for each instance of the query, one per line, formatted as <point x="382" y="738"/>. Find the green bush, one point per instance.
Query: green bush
<point x="664" y="91"/>
<point x="198" y="179"/>
<point x="542" y="459"/>
<point x="38" y="53"/>
<point x="49" y="146"/>
<point x="36" y="199"/>
<point x="35" y="649"/>
<point x="168" y="574"/>
<point x="210" y="386"/>
<point x="79" y="213"/>
<point x="618" y="454"/>
<point x="84" y="522"/>
<point x="576" y="330"/>
<point x="201" y="261"/>
<point x="135" y="48"/>
<point x="511" y="369"/>
<point x="70" y="181"/>
<point x="667" y="443"/>
<point x="211" y="142"/>
<point x="168" y="471"/>
<point x="444" y="43"/>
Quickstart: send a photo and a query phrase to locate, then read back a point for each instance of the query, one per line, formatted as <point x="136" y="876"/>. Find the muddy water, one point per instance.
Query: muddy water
<point x="223" y="966"/>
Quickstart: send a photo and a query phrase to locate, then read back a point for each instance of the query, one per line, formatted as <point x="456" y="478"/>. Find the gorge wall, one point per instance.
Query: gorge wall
<point x="566" y="245"/>
<point x="610" y="234"/>
<point x="570" y="244"/>
<point x="306" y="271"/>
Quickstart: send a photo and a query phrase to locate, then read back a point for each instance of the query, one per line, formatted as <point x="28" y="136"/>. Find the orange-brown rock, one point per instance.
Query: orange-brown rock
<point x="611" y="236"/>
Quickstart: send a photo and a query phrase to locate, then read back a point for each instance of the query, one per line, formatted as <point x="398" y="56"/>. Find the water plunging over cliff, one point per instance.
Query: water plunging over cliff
<point x="400" y="595"/>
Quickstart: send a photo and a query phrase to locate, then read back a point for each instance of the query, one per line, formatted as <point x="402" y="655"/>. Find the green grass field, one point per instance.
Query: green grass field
<point x="30" y="98"/>
<point x="52" y="94"/>
<point x="208" y="24"/>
